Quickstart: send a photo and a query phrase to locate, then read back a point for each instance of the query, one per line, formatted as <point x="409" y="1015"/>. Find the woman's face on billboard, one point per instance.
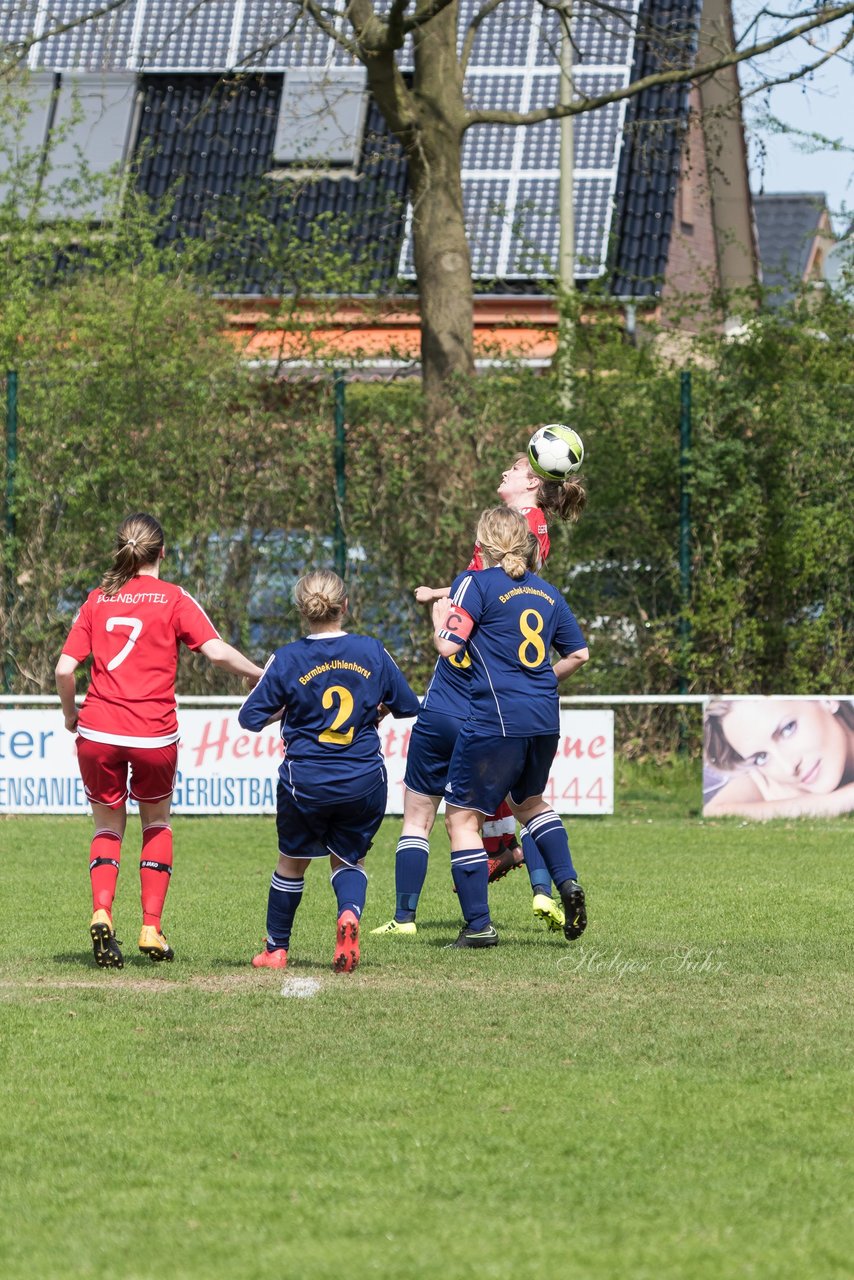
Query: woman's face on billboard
<point x="802" y="744"/>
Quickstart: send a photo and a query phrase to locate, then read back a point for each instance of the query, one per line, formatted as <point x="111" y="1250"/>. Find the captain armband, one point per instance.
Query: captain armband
<point x="457" y="626"/>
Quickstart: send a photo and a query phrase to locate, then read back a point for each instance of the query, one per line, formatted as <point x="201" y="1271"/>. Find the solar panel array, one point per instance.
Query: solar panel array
<point x="510" y="175"/>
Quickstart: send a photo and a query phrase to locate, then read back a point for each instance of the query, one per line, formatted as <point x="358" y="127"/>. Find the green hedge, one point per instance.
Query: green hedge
<point x="130" y="398"/>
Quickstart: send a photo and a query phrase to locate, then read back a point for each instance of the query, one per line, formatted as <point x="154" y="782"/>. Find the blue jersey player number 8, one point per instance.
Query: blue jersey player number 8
<point x="508" y="619"/>
<point x="510" y="626"/>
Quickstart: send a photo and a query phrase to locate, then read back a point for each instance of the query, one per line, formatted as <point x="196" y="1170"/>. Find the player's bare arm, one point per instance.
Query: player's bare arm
<point x="231" y="659"/>
<point x="425" y="595"/>
<point x="565" y="667"/>
<point x="66" y="688"/>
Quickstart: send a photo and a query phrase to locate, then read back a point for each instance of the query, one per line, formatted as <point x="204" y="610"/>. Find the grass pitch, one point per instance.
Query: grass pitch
<point x="665" y="1097"/>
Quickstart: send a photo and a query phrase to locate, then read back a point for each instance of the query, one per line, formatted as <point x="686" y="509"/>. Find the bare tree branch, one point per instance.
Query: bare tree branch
<point x="800" y="72"/>
<point x="474" y="27"/>
<point x="330" y="28"/>
<point x="251" y="56"/>
<point x="676" y="75"/>
<point x="421" y="17"/>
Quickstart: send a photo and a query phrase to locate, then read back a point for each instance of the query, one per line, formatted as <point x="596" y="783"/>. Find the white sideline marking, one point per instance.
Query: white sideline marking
<point x="301" y="988"/>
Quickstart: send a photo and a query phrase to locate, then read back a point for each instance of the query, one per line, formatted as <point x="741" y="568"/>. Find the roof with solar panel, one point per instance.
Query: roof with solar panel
<point x="206" y="96"/>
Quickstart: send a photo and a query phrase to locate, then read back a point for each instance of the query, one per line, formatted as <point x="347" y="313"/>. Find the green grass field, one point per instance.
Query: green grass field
<point x="667" y="1097"/>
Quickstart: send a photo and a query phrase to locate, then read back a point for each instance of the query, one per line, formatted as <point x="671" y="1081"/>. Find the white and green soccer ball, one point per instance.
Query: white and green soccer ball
<point x="555" y="451"/>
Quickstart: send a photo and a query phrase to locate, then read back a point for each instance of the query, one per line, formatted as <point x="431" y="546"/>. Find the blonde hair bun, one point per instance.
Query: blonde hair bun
<point x="321" y="596"/>
<point x="502" y="535"/>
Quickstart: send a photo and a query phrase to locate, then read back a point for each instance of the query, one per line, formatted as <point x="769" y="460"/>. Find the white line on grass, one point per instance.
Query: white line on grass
<point x="301" y="988"/>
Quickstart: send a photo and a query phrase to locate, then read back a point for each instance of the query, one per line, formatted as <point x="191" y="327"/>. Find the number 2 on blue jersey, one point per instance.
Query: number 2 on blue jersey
<point x="333" y="734"/>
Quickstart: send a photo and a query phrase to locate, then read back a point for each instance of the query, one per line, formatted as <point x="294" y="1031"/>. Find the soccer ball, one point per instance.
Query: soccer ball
<point x="555" y="451"/>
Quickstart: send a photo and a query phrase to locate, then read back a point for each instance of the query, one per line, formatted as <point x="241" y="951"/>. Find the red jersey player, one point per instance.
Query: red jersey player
<point x="133" y="626"/>
<point x="533" y="498"/>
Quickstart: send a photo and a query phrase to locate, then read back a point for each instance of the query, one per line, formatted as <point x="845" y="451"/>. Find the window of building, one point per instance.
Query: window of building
<point x="23" y="138"/>
<point x="321" y="120"/>
<point x="90" y="137"/>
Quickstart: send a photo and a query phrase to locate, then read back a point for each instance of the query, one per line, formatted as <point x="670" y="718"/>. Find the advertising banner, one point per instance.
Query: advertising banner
<point x="224" y="769"/>
<point x="778" y="757"/>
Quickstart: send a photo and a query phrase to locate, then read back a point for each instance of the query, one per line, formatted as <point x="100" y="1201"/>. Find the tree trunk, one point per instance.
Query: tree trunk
<point x="428" y="119"/>
<point x="443" y="270"/>
<point x="440" y="247"/>
<point x="441" y="255"/>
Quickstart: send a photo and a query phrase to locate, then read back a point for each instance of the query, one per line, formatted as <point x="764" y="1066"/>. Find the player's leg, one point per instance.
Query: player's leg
<point x="482" y="770"/>
<point x="410" y="862"/>
<point x="431" y="745"/>
<point x="544" y="906"/>
<point x="350" y="833"/>
<point x="350" y="883"/>
<point x="470" y="871"/>
<point x="548" y="831"/>
<point x="105" y="853"/>
<point x="153" y="772"/>
<point x="499" y="841"/>
<point x="104" y="772"/>
<point x="297" y="835"/>
<point x="155" y="873"/>
<point x="285" y="895"/>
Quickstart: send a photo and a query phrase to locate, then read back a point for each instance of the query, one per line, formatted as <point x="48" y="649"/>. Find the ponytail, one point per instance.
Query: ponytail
<point x="139" y="543"/>
<point x="566" y="498"/>
<point x="513" y="564"/>
<point x="502" y="535"/>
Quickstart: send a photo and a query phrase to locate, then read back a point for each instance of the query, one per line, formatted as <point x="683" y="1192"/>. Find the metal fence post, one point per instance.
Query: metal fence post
<point x="340" y="542"/>
<point x="11" y="523"/>
<point x="684" y="526"/>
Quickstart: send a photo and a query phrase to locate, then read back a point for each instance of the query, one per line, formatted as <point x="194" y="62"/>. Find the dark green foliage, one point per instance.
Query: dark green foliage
<point x="131" y="398"/>
<point x="775" y="537"/>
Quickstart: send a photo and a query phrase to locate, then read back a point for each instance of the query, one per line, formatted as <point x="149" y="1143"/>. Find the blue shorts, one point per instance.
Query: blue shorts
<point x="431" y="745"/>
<point x="346" y="828"/>
<point x="485" y="769"/>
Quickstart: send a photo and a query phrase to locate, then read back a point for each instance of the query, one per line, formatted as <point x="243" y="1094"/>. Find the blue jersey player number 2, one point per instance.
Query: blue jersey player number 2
<point x="327" y="690"/>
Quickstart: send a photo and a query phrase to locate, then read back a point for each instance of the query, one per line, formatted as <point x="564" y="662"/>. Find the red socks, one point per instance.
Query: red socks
<point x="105" y="854"/>
<point x="155" y="868"/>
<point x="499" y="831"/>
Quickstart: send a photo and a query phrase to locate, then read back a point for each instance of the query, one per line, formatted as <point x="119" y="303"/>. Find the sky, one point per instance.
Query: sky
<point x="822" y="104"/>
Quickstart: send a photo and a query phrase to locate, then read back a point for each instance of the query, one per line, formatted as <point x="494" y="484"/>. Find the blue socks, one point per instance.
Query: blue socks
<point x="350" y="885"/>
<point x="551" y="839"/>
<point x="470" y="870"/>
<point x="410" y="871"/>
<point x="351" y="888"/>
<point x="541" y="881"/>
<point x="284" y="898"/>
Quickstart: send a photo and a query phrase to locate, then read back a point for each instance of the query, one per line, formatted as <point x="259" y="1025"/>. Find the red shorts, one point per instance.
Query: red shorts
<point x="104" y="770"/>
